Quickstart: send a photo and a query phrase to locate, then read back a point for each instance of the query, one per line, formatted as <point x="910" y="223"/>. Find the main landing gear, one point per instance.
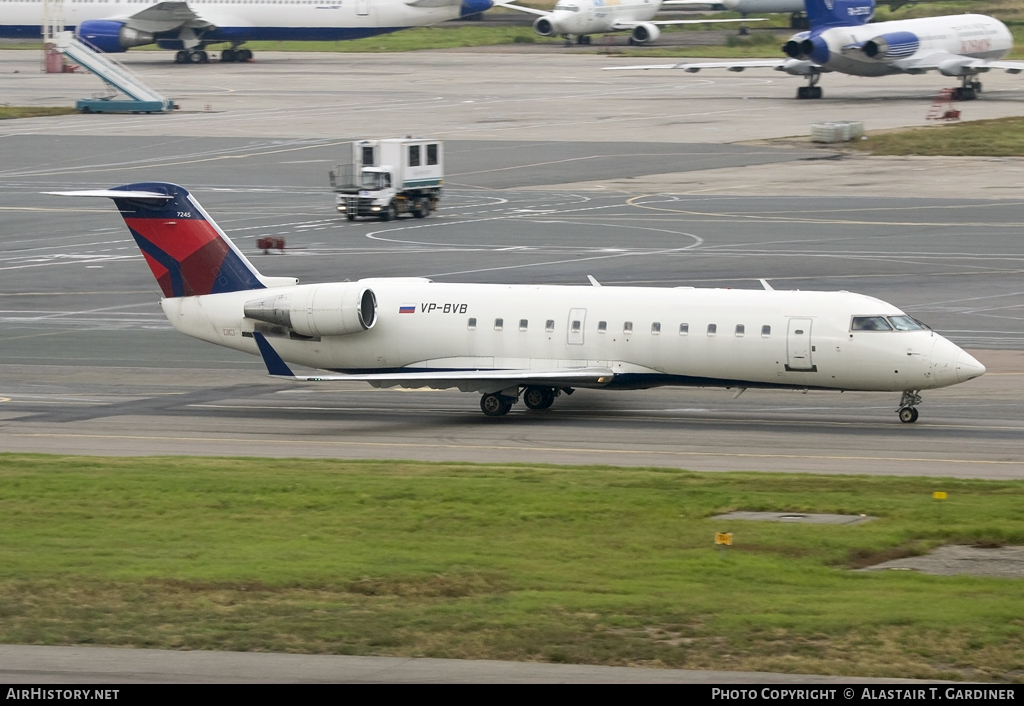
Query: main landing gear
<point x="968" y="90"/>
<point x="233" y="54"/>
<point x="811" y="90"/>
<point x="907" y="410"/>
<point x="191" y="56"/>
<point x="579" y="39"/>
<point x="498" y="404"/>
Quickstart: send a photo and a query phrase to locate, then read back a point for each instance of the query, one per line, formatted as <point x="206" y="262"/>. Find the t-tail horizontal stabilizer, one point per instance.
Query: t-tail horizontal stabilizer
<point x="275" y="364"/>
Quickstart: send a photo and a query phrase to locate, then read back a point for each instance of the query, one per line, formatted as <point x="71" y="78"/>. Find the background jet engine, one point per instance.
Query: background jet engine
<point x="336" y="309"/>
<point x="894" y="45"/>
<point x="644" y="33"/>
<point x="110" y="36"/>
<point x="544" y="27"/>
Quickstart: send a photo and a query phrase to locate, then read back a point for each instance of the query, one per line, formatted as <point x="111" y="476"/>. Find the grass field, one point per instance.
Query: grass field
<point x="10" y="112"/>
<point x="1003" y="137"/>
<point x="565" y="564"/>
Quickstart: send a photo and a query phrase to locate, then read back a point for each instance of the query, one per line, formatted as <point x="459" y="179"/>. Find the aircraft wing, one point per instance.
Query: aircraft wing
<point x="165" y="17"/>
<point x="510" y="6"/>
<point x="630" y="24"/>
<point x="954" y="63"/>
<point x="793" y="67"/>
<point x="465" y="380"/>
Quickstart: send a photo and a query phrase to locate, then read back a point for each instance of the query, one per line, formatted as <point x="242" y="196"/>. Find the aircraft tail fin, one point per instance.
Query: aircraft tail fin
<point x="824" y="14"/>
<point x="186" y="250"/>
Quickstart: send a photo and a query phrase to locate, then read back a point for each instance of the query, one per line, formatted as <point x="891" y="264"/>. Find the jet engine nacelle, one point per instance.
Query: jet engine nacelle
<point x="110" y="36"/>
<point x="544" y="27"/>
<point x="645" y="32"/>
<point x="336" y="309"/>
<point x="894" y="45"/>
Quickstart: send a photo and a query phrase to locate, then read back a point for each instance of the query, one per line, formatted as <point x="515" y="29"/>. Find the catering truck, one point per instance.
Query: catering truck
<point x="386" y="178"/>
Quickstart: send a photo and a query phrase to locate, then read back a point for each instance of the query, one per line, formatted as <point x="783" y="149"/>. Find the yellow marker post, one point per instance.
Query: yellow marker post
<point x="939" y="495"/>
<point x="723" y="540"/>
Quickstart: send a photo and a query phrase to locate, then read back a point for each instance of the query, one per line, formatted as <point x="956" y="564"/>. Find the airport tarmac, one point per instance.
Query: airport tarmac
<point x="91" y="366"/>
<point x="537" y="93"/>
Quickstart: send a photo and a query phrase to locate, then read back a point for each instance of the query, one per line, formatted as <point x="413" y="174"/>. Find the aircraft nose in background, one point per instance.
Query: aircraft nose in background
<point x="968" y="367"/>
<point x="473" y="7"/>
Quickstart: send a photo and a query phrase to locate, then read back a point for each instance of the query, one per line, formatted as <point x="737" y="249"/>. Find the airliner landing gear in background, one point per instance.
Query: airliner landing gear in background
<point x="907" y="411"/>
<point x="194" y="56"/>
<point x="235" y="54"/>
<point x="811" y="90"/>
<point x="969" y="89"/>
<point x="583" y="39"/>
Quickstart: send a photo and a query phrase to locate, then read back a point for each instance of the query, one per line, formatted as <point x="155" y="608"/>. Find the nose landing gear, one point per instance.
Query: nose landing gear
<point x="907" y="410"/>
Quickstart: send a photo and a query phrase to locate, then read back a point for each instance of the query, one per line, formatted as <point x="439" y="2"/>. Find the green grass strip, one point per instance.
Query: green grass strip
<point x="583" y="564"/>
<point x="1002" y="137"/>
<point x="11" y="112"/>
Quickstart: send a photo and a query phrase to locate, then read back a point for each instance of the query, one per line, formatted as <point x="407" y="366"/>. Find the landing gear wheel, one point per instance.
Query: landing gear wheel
<point x="809" y="92"/>
<point x="243" y="55"/>
<point x="228" y="55"/>
<point x="976" y="85"/>
<point x="181" y="57"/>
<point x="495" y="405"/>
<point x="204" y="58"/>
<point x="964" y="94"/>
<point x="908" y="415"/>
<point x="537" y="397"/>
<point x="196" y="57"/>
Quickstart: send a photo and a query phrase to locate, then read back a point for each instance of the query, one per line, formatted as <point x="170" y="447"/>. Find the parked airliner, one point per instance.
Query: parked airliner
<point x="190" y="27"/>
<point x="841" y="40"/>
<point x="582" y="18"/>
<point x="532" y="342"/>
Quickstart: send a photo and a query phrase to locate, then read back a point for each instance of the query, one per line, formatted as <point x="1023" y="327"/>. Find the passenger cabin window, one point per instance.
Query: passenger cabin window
<point x="740" y="330"/>
<point x="766" y="331"/>
<point x="627" y="327"/>
<point x="602" y="326"/>
<point x="499" y="324"/>
<point x="431" y="154"/>
<point x="414" y="155"/>
<point x="576" y="326"/>
<point x="712" y="329"/>
<point x="655" y="328"/>
<point x="870" y="323"/>
<point x="906" y="323"/>
<point x="549" y="325"/>
<point x="684" y="329"/>
<point x="471" y="324"/>
<point x="523" y="323"/>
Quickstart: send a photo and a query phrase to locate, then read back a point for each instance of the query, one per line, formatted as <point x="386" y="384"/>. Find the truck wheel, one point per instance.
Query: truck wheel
<point x="422" y="209"/>
<point x="350" y="216"/>
<point x="390" y="213"/>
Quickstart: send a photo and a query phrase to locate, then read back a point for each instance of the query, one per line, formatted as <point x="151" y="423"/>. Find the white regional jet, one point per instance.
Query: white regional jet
<point x="840" y="39"/>
<point x="189" y="27"/>
<point x="529" y="341"/>
<point x="582" y="18"/>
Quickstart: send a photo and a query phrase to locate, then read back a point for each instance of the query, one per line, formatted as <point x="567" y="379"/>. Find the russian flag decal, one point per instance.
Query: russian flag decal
<point x="407" y="309"/>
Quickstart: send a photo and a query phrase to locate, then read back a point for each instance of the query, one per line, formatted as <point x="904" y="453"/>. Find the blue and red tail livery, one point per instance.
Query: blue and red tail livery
<point x="186" y="250"/>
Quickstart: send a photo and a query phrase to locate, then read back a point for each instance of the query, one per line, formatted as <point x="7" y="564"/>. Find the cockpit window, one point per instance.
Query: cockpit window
<point x="906" y="323"/>
<point x="870" y="323"/>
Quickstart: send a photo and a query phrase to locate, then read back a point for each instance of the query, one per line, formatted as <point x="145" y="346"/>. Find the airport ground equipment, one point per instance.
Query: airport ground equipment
<point x="141" y="98"/>
<point x="386" y="178"/>
<point x="942" y="107"/>
<point x="843" y="131"/>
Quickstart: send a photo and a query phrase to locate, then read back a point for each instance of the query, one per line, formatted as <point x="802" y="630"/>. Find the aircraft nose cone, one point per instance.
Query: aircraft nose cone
<point x="968" y="367"/>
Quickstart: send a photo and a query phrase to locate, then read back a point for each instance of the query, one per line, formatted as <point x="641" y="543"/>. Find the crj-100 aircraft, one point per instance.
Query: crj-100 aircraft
<point x="189" y="27"/>
<point x="533" y="342"/>
<point x="582" y="18"/>
<point x="840" y="39"/>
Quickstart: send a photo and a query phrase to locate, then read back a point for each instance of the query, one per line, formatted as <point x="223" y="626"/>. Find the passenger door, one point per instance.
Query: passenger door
<point x="363" y="7"/>
<point x="798" y="345"/>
